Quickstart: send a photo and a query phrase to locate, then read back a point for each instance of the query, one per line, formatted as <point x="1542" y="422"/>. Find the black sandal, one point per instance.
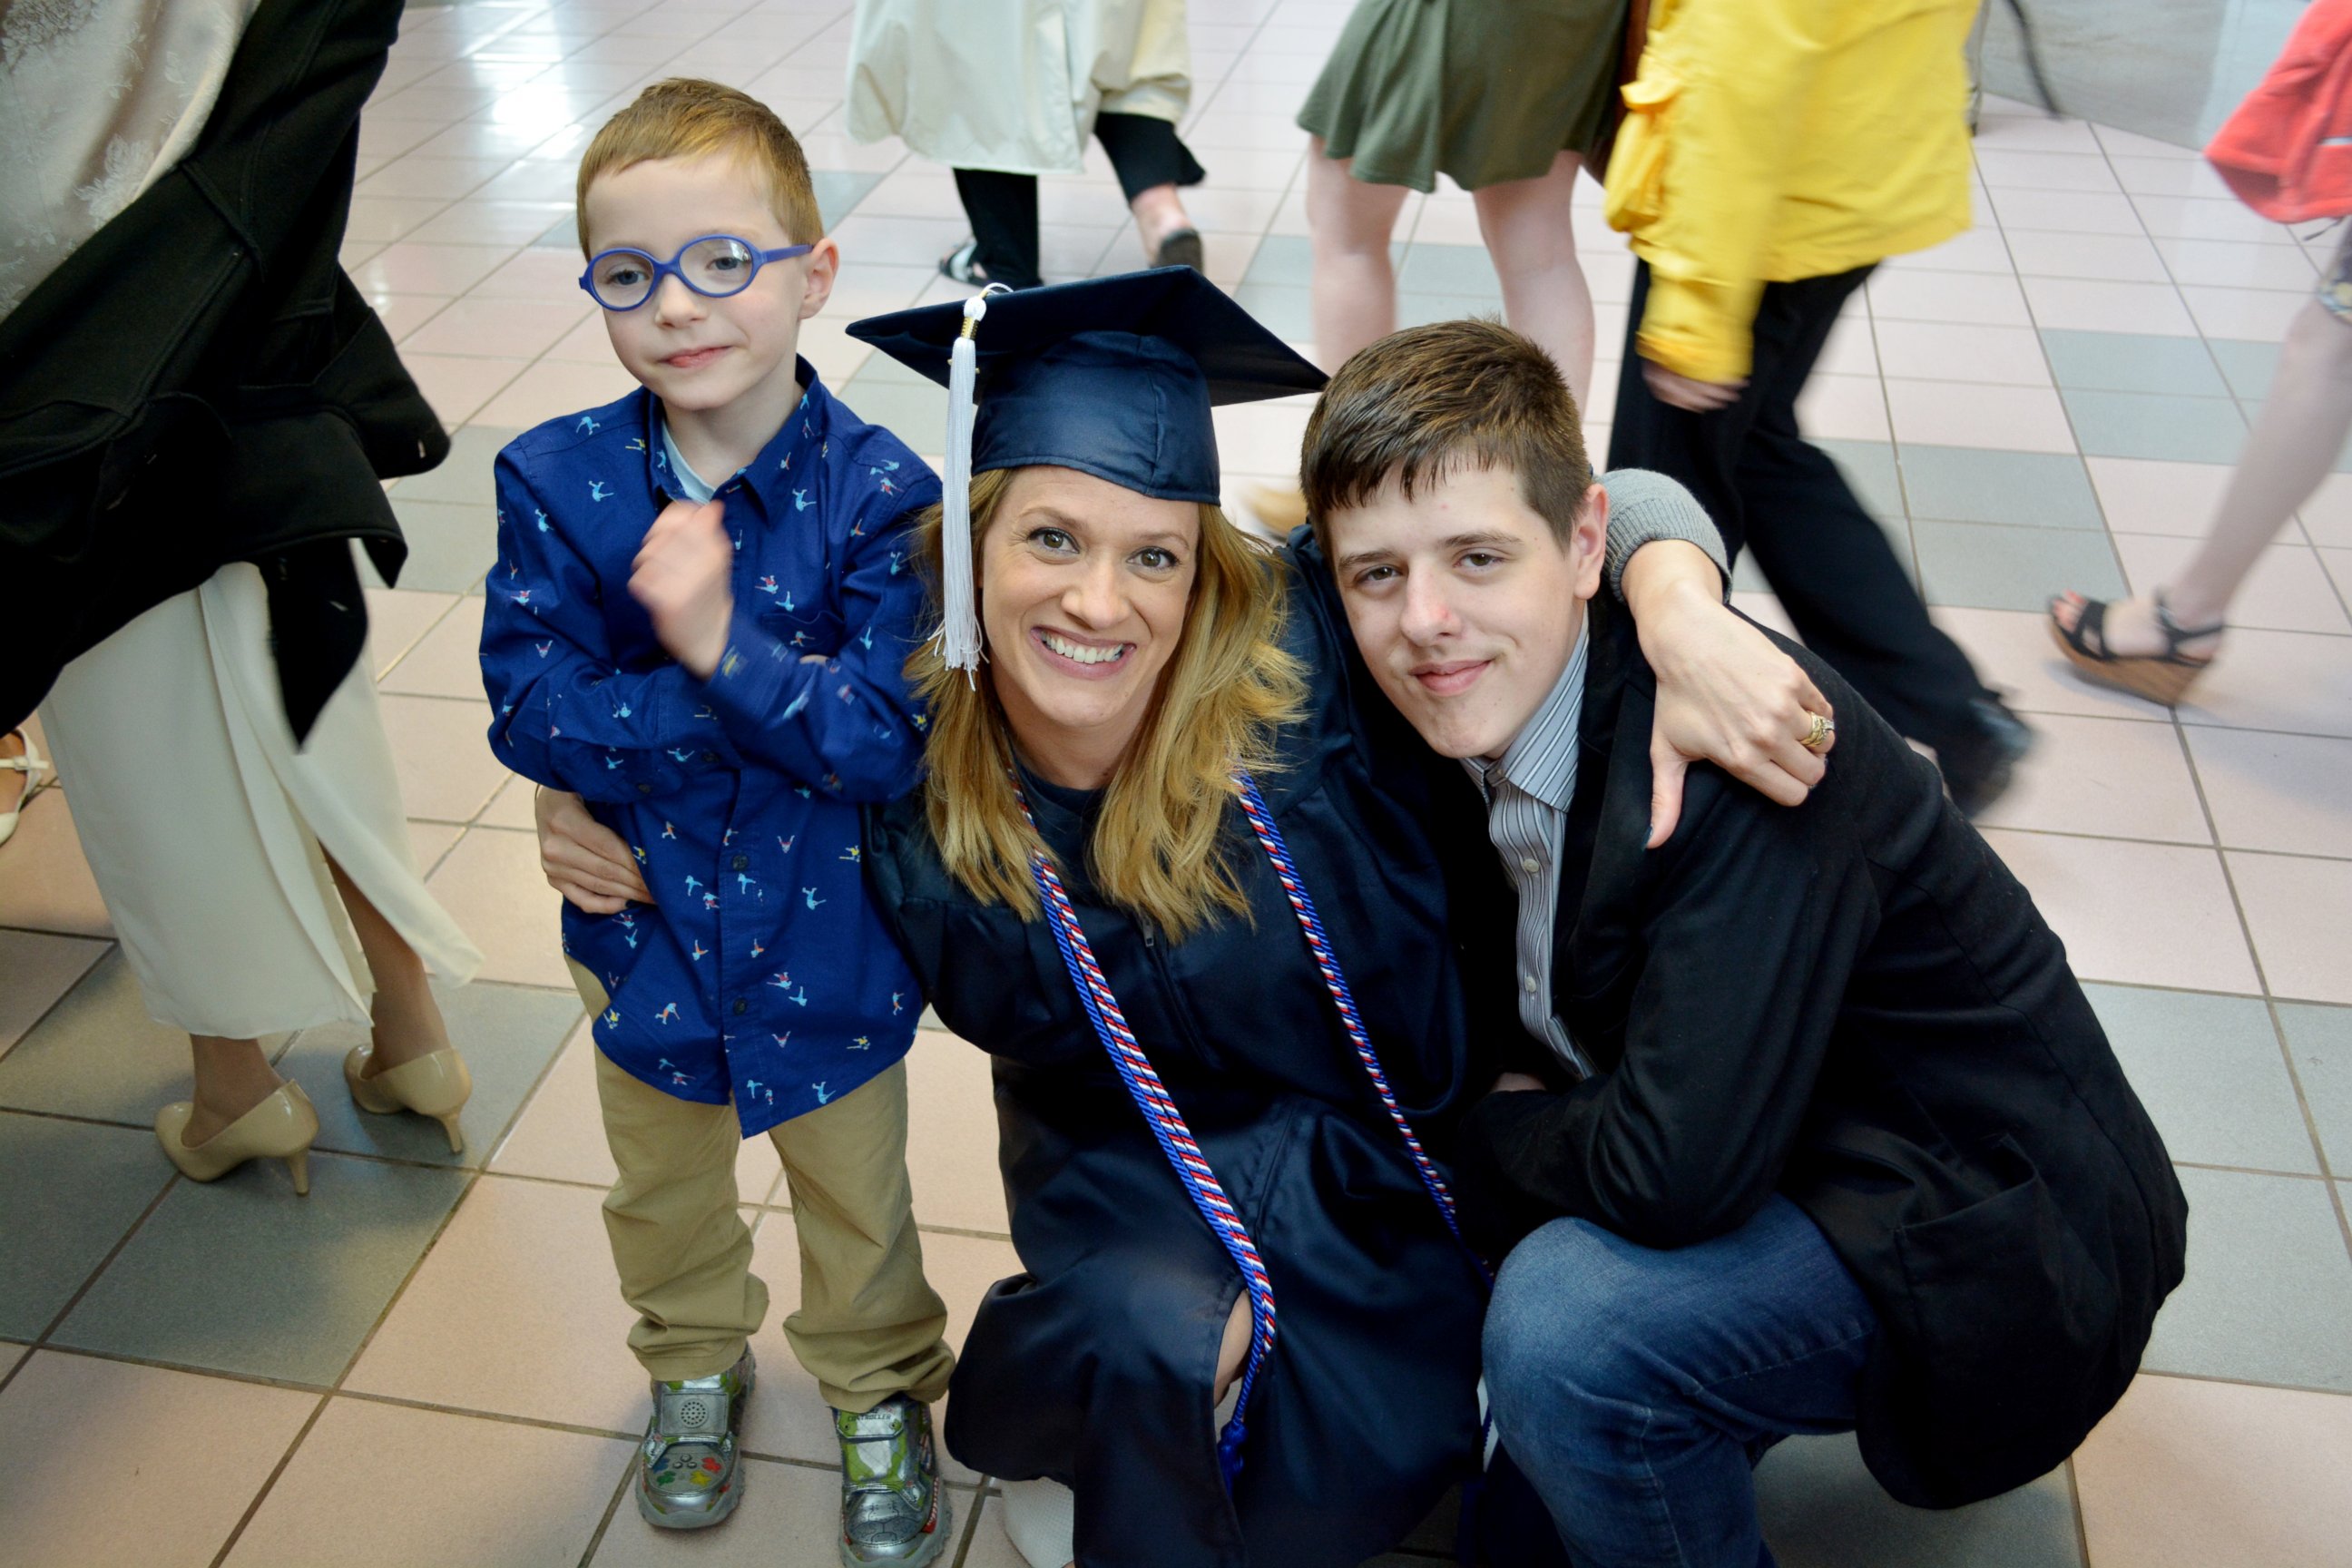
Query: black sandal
<point x="962" y="264"/>
<point x="2163" y="677"/>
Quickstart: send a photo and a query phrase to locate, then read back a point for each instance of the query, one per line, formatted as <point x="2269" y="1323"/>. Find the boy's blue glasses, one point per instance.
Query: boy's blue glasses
<point x="715" y="266"/>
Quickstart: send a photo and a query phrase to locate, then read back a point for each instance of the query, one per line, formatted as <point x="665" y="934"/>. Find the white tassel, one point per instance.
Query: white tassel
<point x="959" y="618"/>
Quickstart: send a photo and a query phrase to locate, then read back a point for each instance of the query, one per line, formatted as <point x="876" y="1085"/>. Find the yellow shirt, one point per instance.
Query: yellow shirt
<point x="1767" y="140"/>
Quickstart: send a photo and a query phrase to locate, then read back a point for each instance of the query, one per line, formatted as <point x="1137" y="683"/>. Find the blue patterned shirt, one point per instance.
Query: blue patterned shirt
<point x="763" y="973"/>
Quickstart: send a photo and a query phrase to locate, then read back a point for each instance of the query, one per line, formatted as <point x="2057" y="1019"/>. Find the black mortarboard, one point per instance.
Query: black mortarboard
<point x="1113" y="377"/>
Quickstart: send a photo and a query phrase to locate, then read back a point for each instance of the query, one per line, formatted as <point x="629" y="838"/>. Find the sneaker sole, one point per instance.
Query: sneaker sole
<point x="694" y="1518"/>
<point x="935" y="1540"/>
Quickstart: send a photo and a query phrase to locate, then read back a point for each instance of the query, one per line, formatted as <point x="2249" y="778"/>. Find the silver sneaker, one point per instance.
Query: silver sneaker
<point x="893" y="1508"/>
<point x="686" y="1475"/>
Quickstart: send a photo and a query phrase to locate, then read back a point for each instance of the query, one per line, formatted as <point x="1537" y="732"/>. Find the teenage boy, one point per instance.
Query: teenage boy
<point x="1833" y="1138"/>
<point x="698" y="622"/>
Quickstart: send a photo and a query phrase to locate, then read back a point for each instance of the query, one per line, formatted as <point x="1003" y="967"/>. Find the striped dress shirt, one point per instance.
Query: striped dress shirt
<point x="1527" y="794"/>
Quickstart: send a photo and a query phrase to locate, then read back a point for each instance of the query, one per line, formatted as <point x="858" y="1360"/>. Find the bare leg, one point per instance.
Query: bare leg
<point x="1354" y="287"/>
<point x="2294" y="443"/>
<point x="1232" y="1351"/>
<point x="407" y="1019"/>
<point x="1159" y="213"/>
<point x="232" y="1077"/>
<point x="1526" y="225"/>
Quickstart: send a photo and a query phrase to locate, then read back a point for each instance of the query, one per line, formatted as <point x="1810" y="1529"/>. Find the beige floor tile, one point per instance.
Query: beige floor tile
<point x="408" y="268"/>
<point x="396" y="618"/>
<point x="561" y="1133"/>
<point x="990" y="1547"/>
<point x="2288" y="590"/>
<point x="2012" y="650"/>
<point x="2294" y="682"/>
<point x="2190" y="1474"/>
<point x="788" y="1417"/>
<point x="45" y="883"/>
<point x="514" y="1312"/>
<point x="1954" y="413"/>
<point x="492" y="885"/>
<point x="2117" y="778"/>
<point x="510" y="807"/>
<point x="2146" y="915"/>
<point x="380" y="1486"/>
<point x="447" y="661"/>
<point x="115" y="1464"/>
<point x="554" y="388"/>
<point x="2292" y="794"/>
<point x="2299" y="912"/>
<point x="512" y="328"/>
<point x="1842" y="408"/>
<point x="2147" y="495"/>
<point x="1939" y="351"/>
<point x="456" y="384"/>
<point x="428" y="841"/>
<point x="441" y="751"/>
<point x="35" y="971"/>
<point x="951" y="1135"/>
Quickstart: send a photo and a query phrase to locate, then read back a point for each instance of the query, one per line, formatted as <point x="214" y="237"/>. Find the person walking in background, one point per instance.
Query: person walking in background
<point x="1006" y="91"/>
<point x="195" y="410"/>
<point x="1773" y="153"/>
<point x="1508" y="107"/>
<point x="2288" y="151"/>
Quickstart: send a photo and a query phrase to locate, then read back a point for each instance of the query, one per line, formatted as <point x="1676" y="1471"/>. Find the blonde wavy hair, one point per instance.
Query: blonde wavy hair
<point x="1157" y="851"/>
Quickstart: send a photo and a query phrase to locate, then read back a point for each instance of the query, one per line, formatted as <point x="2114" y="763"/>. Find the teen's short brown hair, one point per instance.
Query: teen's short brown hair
<point x="685" y="117"/>
<point x="1420" y="403"/>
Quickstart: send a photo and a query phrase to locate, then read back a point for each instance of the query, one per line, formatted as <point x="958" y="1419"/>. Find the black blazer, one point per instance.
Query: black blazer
<point x="200" y="384"/>
<point x="1853" y="1002"/>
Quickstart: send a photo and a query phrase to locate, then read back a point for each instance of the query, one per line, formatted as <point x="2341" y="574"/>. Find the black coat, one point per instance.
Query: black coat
<point x="1853" y="1002"/>
<point x="1094" y="1365"/>
<point x="199" y="383"/>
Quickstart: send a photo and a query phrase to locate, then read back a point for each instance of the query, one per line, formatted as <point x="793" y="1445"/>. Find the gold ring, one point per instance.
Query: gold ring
<point x="1822" y="731"/>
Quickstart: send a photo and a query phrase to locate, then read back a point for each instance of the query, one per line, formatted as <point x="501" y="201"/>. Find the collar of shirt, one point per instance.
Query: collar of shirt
<point x="786" y="463"/>
<point x="1541" y="760"/>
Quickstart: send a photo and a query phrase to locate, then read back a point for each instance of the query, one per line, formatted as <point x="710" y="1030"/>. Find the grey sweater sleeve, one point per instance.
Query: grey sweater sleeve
<point x="1645" y="507"/>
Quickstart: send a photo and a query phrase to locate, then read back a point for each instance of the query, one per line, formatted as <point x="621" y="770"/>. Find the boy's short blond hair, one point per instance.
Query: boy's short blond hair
<point x="686" y="117"/>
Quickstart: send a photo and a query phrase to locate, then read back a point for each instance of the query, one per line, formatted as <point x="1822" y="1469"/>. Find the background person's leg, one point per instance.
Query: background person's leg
<point x="1634" y="1387"/>
<point x="1152" y="162"/>
<point x="1350" y="222"/>
<point x="1002" y="211"/>
<point x="1530" y="238"/>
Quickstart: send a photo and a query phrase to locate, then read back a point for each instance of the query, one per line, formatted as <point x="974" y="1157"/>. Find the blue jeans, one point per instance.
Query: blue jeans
<point x="1637" y="1388"/>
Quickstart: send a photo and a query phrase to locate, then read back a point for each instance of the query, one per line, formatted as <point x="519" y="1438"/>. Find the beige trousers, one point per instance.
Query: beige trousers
<point x="869" y="1326"/>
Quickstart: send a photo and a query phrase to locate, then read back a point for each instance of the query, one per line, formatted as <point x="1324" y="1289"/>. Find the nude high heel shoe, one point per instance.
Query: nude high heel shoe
<point x="437" y="1086"/>
<point x="280" y="1128"/>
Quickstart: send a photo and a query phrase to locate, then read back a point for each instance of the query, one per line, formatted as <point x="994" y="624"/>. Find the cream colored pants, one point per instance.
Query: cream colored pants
<point x="869" y="1326"/>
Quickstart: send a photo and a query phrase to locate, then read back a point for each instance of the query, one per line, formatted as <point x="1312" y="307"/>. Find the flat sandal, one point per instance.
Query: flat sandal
<point x="2163" y="677"/>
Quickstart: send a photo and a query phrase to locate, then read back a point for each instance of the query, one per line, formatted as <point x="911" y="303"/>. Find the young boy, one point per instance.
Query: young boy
<point x="1833" y="1139"/>
<point x="698" y="622"/>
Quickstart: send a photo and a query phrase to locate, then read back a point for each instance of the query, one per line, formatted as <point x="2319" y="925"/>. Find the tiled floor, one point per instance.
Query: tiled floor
<point x="420" y="1362"/>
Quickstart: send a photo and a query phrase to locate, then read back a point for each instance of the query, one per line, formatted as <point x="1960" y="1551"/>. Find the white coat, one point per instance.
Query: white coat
<point x="1013" y="85"/>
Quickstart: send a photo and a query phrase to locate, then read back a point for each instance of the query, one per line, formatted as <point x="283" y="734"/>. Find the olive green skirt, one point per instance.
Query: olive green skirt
<point x="1482" y="91"/>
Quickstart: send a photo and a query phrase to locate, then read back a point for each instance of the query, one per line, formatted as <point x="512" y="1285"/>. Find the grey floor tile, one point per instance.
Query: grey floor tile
<point x="508" y="1034"/>
<point x="97" y="1054"/>
<point x="2131" y="362"/>
<point x="242" y="1276"/>
<point x="1976" y="484"/>
<point x="465" y="474"/>
<point x="1822" y="1509"/>
<point x="1869" y="468"/>
<point x="2248" y="367"/>
<point x="1449" y="269"/>
<point x="838" y="192"/>
<point x="1288" y="260"/>
<point x="1418" y="307"/>
<point x="450" y="544"/>
<point x="1984" y="566"/>
<point x="2151" y="425"/>
<point x="1282" y="309"/>
<point x="2210" y="1071"/>
<point x="2321" y="1039"/>
<point x="2269" y="1293"/>
<point x="72" y="1191"/>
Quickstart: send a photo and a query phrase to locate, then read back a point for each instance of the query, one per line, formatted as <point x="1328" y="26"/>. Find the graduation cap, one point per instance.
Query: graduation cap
<point x="1112" y="376"/>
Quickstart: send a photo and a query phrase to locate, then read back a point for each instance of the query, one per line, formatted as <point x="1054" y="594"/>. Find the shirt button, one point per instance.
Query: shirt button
<point x="709" y="756"/>
<point x="743" y="862"/>
<point x="1530" y="982"/>
<point x="645" y="789"/>
<point x="1528" y="863"/>
<point x="742" y="1006"/>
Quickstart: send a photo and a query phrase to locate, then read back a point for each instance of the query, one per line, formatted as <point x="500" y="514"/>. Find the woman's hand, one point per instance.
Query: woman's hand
<point x="1725" y="694"/>
<point x="584" y="860"/>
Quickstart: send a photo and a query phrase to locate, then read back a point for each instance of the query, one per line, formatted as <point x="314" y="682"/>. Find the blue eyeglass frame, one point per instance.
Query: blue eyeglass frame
<point x="670" y="269"/>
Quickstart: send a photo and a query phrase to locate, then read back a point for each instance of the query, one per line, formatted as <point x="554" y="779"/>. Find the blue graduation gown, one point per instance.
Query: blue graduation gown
<point x="1095" y="1365"/>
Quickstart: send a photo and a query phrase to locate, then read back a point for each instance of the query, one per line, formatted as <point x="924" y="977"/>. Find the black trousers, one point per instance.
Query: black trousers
<point x="1144" y="153"/>
<point x="1771" y="491"/>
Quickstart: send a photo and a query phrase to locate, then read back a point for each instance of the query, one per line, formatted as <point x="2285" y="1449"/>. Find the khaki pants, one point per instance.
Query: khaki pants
<point x="869" y="1326"/>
